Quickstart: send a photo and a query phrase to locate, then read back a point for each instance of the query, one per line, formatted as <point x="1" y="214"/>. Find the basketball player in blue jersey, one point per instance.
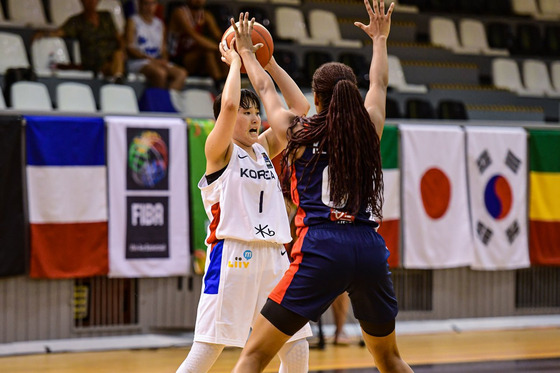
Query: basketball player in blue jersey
<point x="243" y="199"/>
<point x="333" y="169"/>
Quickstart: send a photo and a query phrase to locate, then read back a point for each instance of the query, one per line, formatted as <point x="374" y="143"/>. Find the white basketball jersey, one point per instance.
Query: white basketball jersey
<point x="246" y="201"/>
<point x="149" y="36"/>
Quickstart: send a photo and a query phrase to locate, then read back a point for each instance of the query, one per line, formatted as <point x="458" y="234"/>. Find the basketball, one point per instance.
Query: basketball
<point x="259" y="35"/>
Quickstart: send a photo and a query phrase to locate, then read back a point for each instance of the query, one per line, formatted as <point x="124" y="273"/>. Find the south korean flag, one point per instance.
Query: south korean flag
<point x="497" y="176"/>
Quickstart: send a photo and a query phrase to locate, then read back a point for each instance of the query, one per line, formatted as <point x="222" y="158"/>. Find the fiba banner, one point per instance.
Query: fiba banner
<point x="67" y="194"/>
<point x="497" y="169"/>
<point x="148" y="225"/>
<point x="12" y="244"/>
<point x="198" y="133"/>
<point x="544" y="199"/>
<point x="436" y="227"/>
<point x="390" y="226"/>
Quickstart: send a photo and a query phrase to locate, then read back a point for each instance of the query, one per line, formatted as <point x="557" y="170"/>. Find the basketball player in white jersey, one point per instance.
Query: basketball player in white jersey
<point x="248" y="222"/>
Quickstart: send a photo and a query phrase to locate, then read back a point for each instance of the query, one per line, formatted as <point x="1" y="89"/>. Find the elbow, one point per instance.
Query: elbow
<point x="261" y="86"/>
<point x="229" y="105"/>
<point x="305" y="106"/>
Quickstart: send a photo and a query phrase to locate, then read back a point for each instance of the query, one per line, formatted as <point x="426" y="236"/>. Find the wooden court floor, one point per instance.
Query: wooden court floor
<point x="418" y="350"/>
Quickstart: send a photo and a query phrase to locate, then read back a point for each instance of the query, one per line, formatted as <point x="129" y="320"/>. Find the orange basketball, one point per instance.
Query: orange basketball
<point x="259" y="35"/>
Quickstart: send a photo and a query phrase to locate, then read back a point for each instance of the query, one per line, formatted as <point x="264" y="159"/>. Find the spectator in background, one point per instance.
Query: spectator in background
<point x="147" y="53"/>
<point x="101" y="46"/>
<point x="193" y="39"/>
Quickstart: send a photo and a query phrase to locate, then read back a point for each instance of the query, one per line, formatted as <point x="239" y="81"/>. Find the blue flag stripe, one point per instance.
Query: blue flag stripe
<point x="65" y="141"/>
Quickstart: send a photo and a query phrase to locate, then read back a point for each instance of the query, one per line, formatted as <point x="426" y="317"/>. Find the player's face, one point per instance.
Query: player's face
<point x="247" y="126"/>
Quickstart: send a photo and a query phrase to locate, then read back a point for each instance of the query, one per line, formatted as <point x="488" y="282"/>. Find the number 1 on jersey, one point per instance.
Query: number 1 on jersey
<point x="261" y="202"/>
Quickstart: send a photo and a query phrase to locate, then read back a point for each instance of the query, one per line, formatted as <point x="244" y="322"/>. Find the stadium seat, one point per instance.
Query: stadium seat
<point x="552" y="40"/>
<point x="323" y="24"/>
<point x="261" y="16"/>
<point x="401" y="7"/>
<point x="32" y="96"/>
<point x="506" y="75"/>
<point x="75" y="97"/>
<point x="498" y="7"/>
<point x="61" y="10"/>
<point x="529" y="41"/>
<point x="550" y="8"/>
<point x="392" y="109"/>
<point x="2" y="17"/>
<point x="473" y="36"/>
<point x="443" y="33"/>
<point x="312" y="60"/>
<point x="418" y="108"/>
<point x="443" y="6"/>
<point x="222" y="13"/>
<point x="500" y="36"/>
<point x="525" y="7"/>
<point x="2" y="102"/>
<point x="13" y="52"/>
<point x="555" y="75"/>
<point x="360" y="66"/>
<point x="397" y="79"/>
<point x="290" y="25"/>
<point x="472" y="6"/>
<point x="116" y="10"/>
<point x="156" y="100"/>
<point x="193" y="102"/>
<point x="118" y="99"/>
<point x="537" y="79"/>
<point x="43" y="49"/>
<point x="286" y="2"/>
<point x="288" y="60"/>
<point x="28" y="12"/>
<point x="452" y="109"/>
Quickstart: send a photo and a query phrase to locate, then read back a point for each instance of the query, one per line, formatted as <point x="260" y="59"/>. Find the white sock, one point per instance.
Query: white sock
<point x="294" y="357"/>
<point x="201" y="357"/>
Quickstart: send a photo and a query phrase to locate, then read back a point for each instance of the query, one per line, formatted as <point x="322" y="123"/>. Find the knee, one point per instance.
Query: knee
<point x="181" y="74"/>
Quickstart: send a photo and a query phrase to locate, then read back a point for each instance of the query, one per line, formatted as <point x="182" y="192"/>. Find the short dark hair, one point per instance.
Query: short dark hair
<point x="248" y="99"/>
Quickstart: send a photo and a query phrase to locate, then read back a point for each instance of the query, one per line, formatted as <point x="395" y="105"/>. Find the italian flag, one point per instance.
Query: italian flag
<point x="390" y="226"/>
<point x="544" y="197"/>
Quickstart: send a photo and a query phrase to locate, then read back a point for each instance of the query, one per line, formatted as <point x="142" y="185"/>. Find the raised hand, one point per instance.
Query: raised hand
<point x="243" y="31"/>
<point x="228" y="54"/>
<point x="379" y="22"/>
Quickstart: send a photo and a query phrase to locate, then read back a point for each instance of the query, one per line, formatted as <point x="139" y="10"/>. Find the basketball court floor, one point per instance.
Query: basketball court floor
<point x="526" y="344"/>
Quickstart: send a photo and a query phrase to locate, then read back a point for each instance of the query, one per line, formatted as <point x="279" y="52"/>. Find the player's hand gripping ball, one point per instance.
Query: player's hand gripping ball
<point x="259" y="35"/>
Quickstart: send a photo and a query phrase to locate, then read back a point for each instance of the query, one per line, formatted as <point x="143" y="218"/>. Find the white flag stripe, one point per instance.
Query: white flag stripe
<point x="391" y="194"/>
<point x="496" y="152"/>
<point x="444" y="240"/>
<point x="48" y="186"/>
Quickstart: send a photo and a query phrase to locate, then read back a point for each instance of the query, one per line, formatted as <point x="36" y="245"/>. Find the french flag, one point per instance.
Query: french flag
<point x="67" y="196"/>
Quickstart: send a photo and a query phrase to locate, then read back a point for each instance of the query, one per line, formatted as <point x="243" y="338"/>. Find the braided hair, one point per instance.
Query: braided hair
<point x="343" y="129"/>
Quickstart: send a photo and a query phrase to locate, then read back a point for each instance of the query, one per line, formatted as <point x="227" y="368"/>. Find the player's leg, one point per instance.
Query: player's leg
<point x="272" y="328"/>
<point x="383" y="347"/>
<point x="201" y="357"/>
<point x="265" y="342"/>
<point x="294" y="357"/>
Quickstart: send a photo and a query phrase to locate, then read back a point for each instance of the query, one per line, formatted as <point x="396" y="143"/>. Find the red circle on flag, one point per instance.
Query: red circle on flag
<point x="435" y="190"/>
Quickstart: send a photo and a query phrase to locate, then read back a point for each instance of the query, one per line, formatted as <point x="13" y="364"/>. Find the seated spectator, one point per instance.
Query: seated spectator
<point x="193" y="40"/>
<point x="147" y="53"/>
<point x="101" y="46"/>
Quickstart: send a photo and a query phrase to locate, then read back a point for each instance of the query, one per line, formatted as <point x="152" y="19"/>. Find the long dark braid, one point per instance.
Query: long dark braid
<point x="345" y="131"/>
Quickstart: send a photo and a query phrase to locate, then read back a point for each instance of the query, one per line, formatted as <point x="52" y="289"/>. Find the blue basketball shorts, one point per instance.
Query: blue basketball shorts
<point x="331" y="258"/>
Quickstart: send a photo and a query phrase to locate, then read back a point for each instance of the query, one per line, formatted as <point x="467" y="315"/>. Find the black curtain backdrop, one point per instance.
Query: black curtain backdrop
<point x="13" y="252"/>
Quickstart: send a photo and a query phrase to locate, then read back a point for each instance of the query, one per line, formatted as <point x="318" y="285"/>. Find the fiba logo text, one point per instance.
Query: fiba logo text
<point x="147" y="214"/>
